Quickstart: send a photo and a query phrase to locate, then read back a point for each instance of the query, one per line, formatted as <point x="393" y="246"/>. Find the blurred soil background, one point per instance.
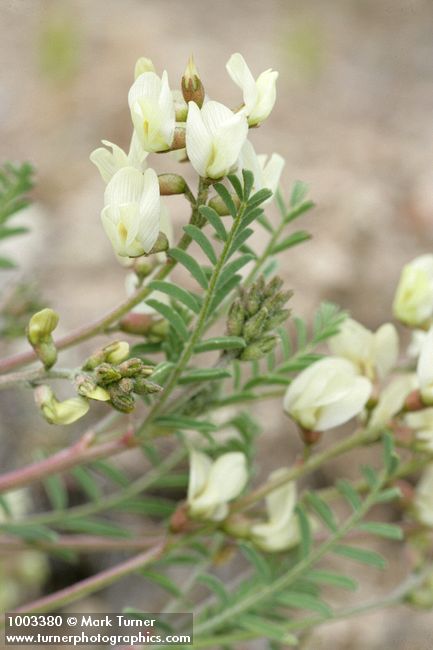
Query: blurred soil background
<point x="353" y="119"/>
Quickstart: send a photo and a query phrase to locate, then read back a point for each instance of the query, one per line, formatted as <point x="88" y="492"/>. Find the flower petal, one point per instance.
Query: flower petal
<point x="198" y="140"/>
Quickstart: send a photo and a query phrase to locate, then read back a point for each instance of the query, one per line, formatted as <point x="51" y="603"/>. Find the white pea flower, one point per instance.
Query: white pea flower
<point x="212" y="484"/>
<point x="266" y="170"/>
<point x="424" y="369"/>
<point x="422" y="423"/>
<point x="131" y="216"/>
<point x="281" y="531"/>
<point x="109" y="162"/>
<point x="374" y="353"/>
<point x="259" y="94"/>
<point x="423" y="501"/>
<point x="326" y="394"/>
<point x="152" y="111"/>
<point x="214" y="138"/>
<point x="413" y="302"/>
<point x="391" y="400"/>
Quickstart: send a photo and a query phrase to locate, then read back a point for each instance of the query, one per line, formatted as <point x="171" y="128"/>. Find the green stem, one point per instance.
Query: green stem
<point x="358" y="439"/>
<point x="188" y="351"/>
<point x="267" y="591"/>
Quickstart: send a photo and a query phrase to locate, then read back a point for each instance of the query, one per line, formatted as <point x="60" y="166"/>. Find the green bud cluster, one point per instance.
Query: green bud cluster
<point x="121" y="381"/>
<point x="256" y="314"/>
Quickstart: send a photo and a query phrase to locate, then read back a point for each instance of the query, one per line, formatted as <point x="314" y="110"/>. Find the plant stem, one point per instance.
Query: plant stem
<point x="81" y="452"/>
<point x="200" y="325"/>
<point x="97" y="582"/>
<point x="111" y="501"/>
<point x="29" y="378"/>
<point x="86" y="543"/>
<point x="358" y="439"/>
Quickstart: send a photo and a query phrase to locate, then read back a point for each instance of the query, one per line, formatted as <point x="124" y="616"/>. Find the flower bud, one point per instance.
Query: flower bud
<point x="159" y="330"/>
<point x="131" y="367"/>
<point x="258" y="349"/>
<point x="255" y="326"/>
<point x="144" y="387"/>
<point x="235" y="320"/>
<point x="56" y="412"/>
<point x="120" y="400"/>
<point x="143" y="65"/>
<point x="41" y="326"/>
<point x="192" y="87"/>
<point x="39" y="330"/>
<point x="171" y="184"/>
<point x="88" y="388"/>
<point x="107" y="374"/>
<point x="116" y="352"/>
<point x="136" y="323"/>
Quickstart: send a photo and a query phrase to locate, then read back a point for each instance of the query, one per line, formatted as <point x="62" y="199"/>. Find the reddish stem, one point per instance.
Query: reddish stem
<point x="82" y="451"/>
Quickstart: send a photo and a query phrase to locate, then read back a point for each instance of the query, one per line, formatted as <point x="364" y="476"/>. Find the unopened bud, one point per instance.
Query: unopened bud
<point x="161" y="245"/>
<point x="88" y="388"/>
<point x="235" y="320"/>
<point x="126" y="385"/>
<point x="180" y="106"/>
<point x="274" y="285"/>
<point x="143" y="65"/>
<point x="279" y="318"/>
<point x="258" y="349"/>
<point x="143" y="267"/>
<point x="56" y="412"/>
<point x="116" y="352"/>
<point x="41" y="326"/>
<point x="159" y="330"/>
<point x="171" y="184"/>
<point x="256" y="325"/>
<point x="131" y="367"/>
<point x="144" y="387"/>
<point x="192" y="87"/>
<point x="135" y="323"/>
<point x="220" y="207"/>
<point x="39" y="330"/>
<point x="107" y="374"/>
<point x="121" y="401"/>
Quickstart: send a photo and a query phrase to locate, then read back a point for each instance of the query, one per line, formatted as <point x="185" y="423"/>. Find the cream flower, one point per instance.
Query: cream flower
<point x="152" y="111"/>
<point x="214" y="138"/>
<point x="424" y="369"/>
<point x="267" y="171"/>
<point x="422" y="423"/>
<point x="327" y="394"/>
<point x="392" y="400"/>
<point x="56" y="412"/>
<point x="423" y="501"/>
<point x="132" y="211"/>
<point x="413" y="302"/>
<point x="109" y="162"/>
<point x="212" y="484"/>
<point x="259" y="94"/>
<point x="375" y="354"/>
<point x="281" y="531"/>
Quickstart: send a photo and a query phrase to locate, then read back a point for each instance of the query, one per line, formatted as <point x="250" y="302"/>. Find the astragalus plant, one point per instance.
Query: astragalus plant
<point x="182" y="364"/>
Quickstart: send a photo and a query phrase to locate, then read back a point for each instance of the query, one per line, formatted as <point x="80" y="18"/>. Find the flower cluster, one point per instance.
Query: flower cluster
<point x="209" y="134"/>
